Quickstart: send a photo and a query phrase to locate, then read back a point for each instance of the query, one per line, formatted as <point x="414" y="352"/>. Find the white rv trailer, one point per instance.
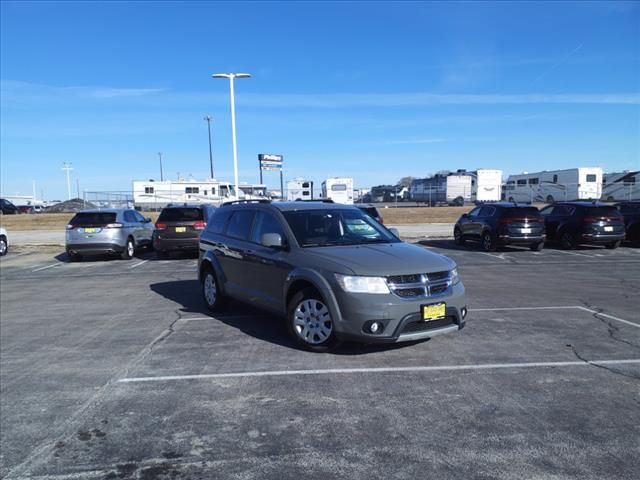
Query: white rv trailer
<point x="250" y="191"/>
<point x="459" y="188"/>
<point x="487" y="186"/>
<point x="583" y="183"/>
<point x="621" y="186"/>
<point x="299" y="189"/>
<point x="338" y="189"/>
<point x="153" y="194"/>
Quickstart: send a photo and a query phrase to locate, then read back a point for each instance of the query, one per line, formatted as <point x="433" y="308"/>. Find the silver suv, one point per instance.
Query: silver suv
<point x="331" y="270"/>
<point x="112" y="231"/>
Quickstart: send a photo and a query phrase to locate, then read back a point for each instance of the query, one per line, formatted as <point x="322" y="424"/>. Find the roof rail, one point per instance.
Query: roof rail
<point x="241" y="202"/>
<point x="321" y="200"/>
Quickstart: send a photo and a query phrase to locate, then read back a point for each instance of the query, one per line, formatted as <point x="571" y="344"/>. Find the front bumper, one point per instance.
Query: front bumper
<point x="401" y="318"/>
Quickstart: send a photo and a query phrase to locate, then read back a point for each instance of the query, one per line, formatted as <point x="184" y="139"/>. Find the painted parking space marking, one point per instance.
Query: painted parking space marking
<point x="565" y="307"/>
<point x="47" y="267"/>
<point x="137" y="264"/>
<point x="415" y="369"/>
<point x="498" y="256"/>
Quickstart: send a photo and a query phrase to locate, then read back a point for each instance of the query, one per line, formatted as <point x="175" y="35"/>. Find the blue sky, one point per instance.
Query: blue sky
<point x="374" y="90"/>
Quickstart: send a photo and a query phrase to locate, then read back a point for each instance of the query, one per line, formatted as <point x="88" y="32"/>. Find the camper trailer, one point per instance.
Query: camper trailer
<point x="299" y="189"/>
<point x="487" y="186"/>
<point x="621" y="186"/>
<point x="151" y="194"/>
<point x="557" y="185"/>
<point x="338" y="189"/>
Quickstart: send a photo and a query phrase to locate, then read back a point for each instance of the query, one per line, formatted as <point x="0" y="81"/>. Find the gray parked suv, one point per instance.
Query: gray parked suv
<point x="331" y="270"/>
<point x="115" y="231"/>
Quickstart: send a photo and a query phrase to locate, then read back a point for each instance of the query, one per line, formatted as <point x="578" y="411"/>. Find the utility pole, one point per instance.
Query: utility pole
<point x="161" y="175"/>
<point x="208" y="118"/>
<point x="68" y="168"/>
<point x="78" y="187"/>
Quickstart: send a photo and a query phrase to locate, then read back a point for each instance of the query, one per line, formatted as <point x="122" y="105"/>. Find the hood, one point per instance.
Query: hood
<point x="382" y="259"/>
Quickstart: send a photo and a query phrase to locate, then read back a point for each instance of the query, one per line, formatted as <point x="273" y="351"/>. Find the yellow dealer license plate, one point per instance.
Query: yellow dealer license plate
<point x="90" y="230"/>
<point x="434" y="311"/>
<point x="181" y="229"/>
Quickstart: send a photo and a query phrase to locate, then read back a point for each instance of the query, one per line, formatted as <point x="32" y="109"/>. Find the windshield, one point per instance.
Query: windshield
<point x="319" y="228"/>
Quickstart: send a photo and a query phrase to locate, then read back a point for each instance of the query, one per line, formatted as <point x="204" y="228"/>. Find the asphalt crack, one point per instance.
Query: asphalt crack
<point x="612" y="329"/>
<point x="594" y="363"/>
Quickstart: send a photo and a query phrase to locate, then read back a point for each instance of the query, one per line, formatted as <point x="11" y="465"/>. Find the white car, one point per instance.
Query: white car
<point x="4" y="242"/>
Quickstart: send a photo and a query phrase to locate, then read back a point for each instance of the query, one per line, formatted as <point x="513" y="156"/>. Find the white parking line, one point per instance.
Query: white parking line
<point x="501" y="257"/>
<point x="137" y="264"/>
<point x="48" y="266"/>
<point x="572" y="253"/>
<point x="417" y="369"/>
<point x="566" y="307"/>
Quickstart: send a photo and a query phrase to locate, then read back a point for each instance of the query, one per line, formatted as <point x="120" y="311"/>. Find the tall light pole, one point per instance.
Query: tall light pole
<point x="231" y="77"/>
<point x="208" y="119"/>
<point x="67" y="167"/>
<point x="161" y="176"/>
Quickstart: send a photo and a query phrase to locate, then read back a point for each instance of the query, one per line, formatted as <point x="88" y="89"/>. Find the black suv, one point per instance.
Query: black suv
<point x="631" y="213"/>
<point x="371" y="211"/>
<point x="331" y="270"/>
<point x="573" y="223"/>
<point x="7" y="208"/>
<point x="179" y="226"/>
<point x="501" y="223"/>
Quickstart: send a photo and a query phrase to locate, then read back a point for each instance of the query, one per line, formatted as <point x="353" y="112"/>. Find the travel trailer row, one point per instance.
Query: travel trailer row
<point x="458" y="188"/>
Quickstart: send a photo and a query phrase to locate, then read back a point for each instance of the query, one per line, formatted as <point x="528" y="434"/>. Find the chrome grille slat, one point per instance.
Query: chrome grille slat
<point x="428" y="284"/>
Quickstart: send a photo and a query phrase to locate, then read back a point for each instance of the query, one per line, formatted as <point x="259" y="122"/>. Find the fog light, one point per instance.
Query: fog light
<point x="375" y="326"/>
<point x="463" y="311"/>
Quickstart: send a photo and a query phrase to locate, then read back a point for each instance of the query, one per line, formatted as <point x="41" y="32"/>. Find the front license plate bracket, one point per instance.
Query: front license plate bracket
<point x="433" y="311"/>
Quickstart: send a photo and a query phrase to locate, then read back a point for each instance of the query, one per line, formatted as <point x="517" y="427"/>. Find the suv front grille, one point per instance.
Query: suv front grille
<point x="419" y="285"/>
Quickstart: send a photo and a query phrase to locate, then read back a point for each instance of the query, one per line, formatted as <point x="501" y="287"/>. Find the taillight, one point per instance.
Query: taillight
<point x="161" y="226"/>
<point x="603" y="219"/>
<point x="113" y="225"/>
<point x="199" y="224"/>
<point x="506" y="221"/>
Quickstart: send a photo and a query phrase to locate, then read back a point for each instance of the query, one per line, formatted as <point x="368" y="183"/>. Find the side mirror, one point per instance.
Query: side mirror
<point x="395" y="231"/>
<point x="465" y="215"/>
<point x="272" y="240"/>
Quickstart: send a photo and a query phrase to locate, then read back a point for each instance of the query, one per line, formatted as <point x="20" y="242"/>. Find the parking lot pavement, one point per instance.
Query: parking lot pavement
<point x="112" y="369"/>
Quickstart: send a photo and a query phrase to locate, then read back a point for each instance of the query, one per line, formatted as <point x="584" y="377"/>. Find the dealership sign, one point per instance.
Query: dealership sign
<point x="270" y="162"/>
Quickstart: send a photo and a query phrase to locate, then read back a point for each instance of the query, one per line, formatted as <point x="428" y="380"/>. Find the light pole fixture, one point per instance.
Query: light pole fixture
<point x="161" y="176"/>
<point x="208" y="118"/>
<point x="67" y="167"/>
<point x="231" y="77"/>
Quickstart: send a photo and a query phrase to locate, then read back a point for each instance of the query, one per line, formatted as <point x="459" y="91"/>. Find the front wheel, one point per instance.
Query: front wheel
<point x="309" y="322"/>
<point x="457" y="237"/>
<point x="536" y="247"/>
<point x="129" y="250"/>
<point x="4" y="249"/>
<point x="613" y="245"/>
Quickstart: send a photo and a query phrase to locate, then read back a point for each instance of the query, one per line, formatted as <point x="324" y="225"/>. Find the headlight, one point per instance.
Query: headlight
<point x="453" y="274"/>
<point x="362" y="284"/>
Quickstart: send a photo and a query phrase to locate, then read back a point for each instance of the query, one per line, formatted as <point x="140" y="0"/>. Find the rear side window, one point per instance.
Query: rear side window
<point x="180" y="215"/>
<point x="240" y="224"/>
<point x="487" y="211"/>
<point x="218" y="220"/>
<point x="521" y="212"/>
<point x="601" y="212"/>
<point x="93" y="218"/>
<point x="563" y="210"/>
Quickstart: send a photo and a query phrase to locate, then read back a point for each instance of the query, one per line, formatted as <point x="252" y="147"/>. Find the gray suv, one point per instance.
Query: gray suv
<point x="331" y="270"/>
<point x="112" y="231"/>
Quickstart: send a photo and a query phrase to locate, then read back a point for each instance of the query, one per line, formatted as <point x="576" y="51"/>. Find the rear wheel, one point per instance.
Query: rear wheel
<point x="536" y="247"/>
<point x="129" y="250"/>
<point x="488" y="242"/>
<point x="568" y="240"/>
<point x="613" y="245"/>
<point x="457" y="237"/>
<point x="309" y="321"/>
<point x="4" y="249"/>
<point x="213" y="298"/>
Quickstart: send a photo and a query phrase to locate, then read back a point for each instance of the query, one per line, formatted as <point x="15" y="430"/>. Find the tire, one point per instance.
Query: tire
<point x="488" y="243"/>
<point x="4" y="248"/>
<point x="568" y="240"/>
<point x="458" y="202"/>
<point x="129" y="250"/>
<point x="613" y="245"/>
<point x="536" y="247"/>
<point x="211" y="294"/>
<point x="457" y="237"/>
<point x="550" y="199"/>
<point x="610" y="199"/>
<point x="511" y="200"/>
<point x="74" y="257"/>
<point x="309" y="322"/>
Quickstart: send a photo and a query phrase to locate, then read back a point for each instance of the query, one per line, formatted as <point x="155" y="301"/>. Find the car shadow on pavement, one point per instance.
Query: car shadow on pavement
<point x="250" y="320"/>
<point x="139" y="255"/>
<point x="475" y="246"/>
